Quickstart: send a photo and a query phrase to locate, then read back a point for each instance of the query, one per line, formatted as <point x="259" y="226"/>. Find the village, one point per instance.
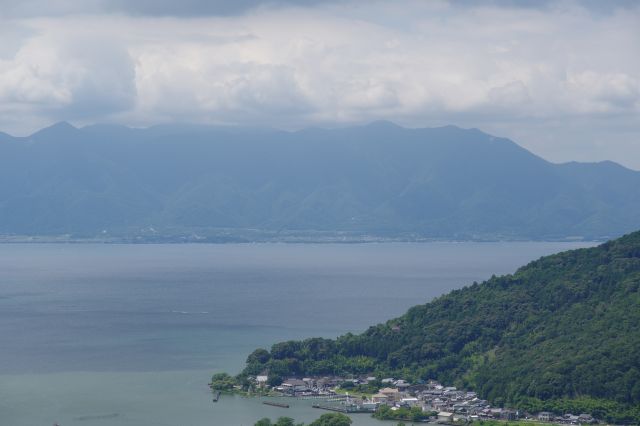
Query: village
<point x="439" y="403"/>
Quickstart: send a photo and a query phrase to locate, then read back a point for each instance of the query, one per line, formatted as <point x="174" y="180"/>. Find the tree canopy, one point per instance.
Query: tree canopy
<point x="329" y="419"/>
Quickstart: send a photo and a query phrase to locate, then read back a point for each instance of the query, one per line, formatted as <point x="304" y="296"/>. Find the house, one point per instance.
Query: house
<point x="545" y="416"/>
<point x="402" y="385"/>
<point x="462" y="407"/>
<point x="486" y="413"/>
<point x="460" y="418"/>
<point x="261" y="379"/>
<point x="586" y="418"/>
<point x="439" y="404"/>
<point x="445" y="417"/>
<point x="496" y="413"/>
<point x="509" y="415"/>
<point x="454" y="394"/>
<point x="294" y="385"/>
<point x="573" y="419"/>
<point x="411" y="402"/>
<point x="327" y="382"/>
<point x="369" y="406"/>
<point x="380" y="398"/>
<point x="391" y="393"/>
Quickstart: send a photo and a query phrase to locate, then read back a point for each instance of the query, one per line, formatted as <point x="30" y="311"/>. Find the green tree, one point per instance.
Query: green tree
<point x="222" y="382"/>
<point x="259" y="356"/>
<point x="332" y="419"/>
<point x="274" y="380"/>
<point x="285" y="421"/>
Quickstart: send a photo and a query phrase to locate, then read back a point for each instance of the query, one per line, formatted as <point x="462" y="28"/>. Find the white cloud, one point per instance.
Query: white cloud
<point x="604" y="92"/>
<point x="517" y="71"/>
<point x="66" y="75"/>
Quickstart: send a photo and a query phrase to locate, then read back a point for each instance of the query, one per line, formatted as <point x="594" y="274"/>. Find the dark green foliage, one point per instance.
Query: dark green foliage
<point x="371" y="387"/>
<point x="414" y="414"/>
<point x="274" y="380"/>
<point x="332" y="419"/>
<point x="259" y="355"/>
<point x="284" y="421"/>
<point x="561" y="334"/>
<point x="499" y="423"/>
<point x="222" y="382"/>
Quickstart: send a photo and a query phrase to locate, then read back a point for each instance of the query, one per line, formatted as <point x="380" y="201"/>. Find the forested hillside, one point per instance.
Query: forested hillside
<point x="379" y="179"/>
<point x="562" y="333"/>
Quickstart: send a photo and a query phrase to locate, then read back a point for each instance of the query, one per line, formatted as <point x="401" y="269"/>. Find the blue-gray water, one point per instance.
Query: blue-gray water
<point x="130" y="334"/>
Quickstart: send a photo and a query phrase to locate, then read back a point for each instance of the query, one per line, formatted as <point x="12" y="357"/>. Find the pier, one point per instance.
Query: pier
<point x="276" y="404"/>
<point x="346" y="409"/>
<point x="327" y="407"/>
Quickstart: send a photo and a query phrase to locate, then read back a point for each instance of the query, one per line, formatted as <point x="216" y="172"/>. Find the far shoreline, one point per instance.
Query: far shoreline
<point x="288" y="239"/>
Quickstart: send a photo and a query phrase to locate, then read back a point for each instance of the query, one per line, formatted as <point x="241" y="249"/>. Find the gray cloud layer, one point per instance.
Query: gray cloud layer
<point x="182" y="8"/>
<point x="561" y="78"/>
<point x="191" y="8"/>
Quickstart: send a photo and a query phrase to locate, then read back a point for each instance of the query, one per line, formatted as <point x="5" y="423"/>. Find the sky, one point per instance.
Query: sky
<point x="561" y="78"/>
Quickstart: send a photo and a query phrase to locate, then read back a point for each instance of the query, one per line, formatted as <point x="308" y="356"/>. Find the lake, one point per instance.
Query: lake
<point x="130" y="334"/>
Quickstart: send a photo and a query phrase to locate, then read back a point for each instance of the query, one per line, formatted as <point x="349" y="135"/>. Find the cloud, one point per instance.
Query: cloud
<point x="604" y="92"/>
<point x="188" y="8"/>
<point x="199" y="8"/>
<point x="67" y="76"/>
<point x="516" y="68"/>
<point x="183" y="8"/>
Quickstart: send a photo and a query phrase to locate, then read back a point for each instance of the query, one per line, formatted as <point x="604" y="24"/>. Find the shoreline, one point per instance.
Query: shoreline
<point x="341" y="240"/>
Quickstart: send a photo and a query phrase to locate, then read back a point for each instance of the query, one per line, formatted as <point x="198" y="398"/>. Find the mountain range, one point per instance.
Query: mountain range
<point x="378" y="179"/>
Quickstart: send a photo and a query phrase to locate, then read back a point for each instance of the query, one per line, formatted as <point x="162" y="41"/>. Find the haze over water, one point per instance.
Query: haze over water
<point x="130" y="334"/>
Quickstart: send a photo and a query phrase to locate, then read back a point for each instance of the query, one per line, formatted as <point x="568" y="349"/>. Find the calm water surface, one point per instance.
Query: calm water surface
<point x="130" y="334"/>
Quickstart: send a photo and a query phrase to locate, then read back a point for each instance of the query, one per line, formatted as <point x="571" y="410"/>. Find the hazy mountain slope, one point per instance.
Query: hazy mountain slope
<point x="381" y="178"/>
<point x="562" y="333"/>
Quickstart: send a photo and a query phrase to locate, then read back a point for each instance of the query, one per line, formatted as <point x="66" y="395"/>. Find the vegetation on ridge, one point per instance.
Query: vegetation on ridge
<point x="560" y="334"/>
<point x="232" y="184"/>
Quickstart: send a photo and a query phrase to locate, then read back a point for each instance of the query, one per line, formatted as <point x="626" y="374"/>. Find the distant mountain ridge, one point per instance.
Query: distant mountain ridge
<point x="378" y="179"/>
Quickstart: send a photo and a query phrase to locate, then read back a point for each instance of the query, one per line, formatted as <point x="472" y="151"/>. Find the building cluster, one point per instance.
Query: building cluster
<point x="322" y="386"/>
<point x="451" y="404"/>
<point x="568" y="419"/>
